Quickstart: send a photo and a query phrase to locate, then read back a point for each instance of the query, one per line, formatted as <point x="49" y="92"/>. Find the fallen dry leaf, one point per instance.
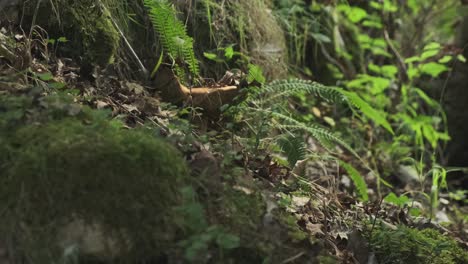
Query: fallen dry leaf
<point x="314" y="229"/>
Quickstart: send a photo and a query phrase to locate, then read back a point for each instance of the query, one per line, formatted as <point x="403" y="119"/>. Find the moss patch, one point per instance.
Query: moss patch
<point x="407" y="245"/>
<point x="86" y="24"/>
<point x="100" y="39"/>
<point x="214" y="25"/>
<point x="53" y="172"/>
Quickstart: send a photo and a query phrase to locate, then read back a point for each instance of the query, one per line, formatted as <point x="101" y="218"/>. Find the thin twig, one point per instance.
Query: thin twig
<point x="293" y="258"/>
<point x="129" y="46"/>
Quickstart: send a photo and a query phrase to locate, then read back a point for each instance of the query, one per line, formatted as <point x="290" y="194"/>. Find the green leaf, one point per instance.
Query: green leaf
<point x="255" y="74"/>
<point x="329" y="121"/>
<point x="414" y="5"/>
<point x="445" y="59"/>
<point x="172" y="34"/>
<point x="412" y="72"/>
<point x="369" y="111"/>
<point x="357" y="179"/>
<point x="461" y="58"/>
<point x="227" y="241"/>
<point x="431" y="102"/>
<point x="376" y="5"/>
<point x="210" y="56"/>
<point x="399" y="201"/>
<point x="415" y="212"/>
<point x="389" y="71"/>
<point x="433" y="68"/>
<point x="62" y="39"/>
<point x="412" y="59"/>
<point x="195" y="248"/>
<point x="57" y="85"/>
<point x="379" y="84"/>
<point x="354" y="14"/>
<point x="388" y="6"/>
<point x="156" y="67"/>
<point x="432" y="46"/>
<point x="357" y="14"/>
<point x="372" y="24"/>
<point x="45" y="76"/>
<point x="321" y="37"/>
<point x="374" y="68"/>
<point x="229" y="52"/>
<point x="294" y="148"/>
<point x="429" y="53"/>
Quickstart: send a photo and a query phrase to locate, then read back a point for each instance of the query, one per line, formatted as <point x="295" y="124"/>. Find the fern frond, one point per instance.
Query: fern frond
<point x="172" y="33"/>
<point x="285" y="88"/>
<point x="294" y="148"/>
<point x="357" y="102"/>
<point x="293" y="86"/>
<point x="189" y="57"/>
<point x="322" y="135"/>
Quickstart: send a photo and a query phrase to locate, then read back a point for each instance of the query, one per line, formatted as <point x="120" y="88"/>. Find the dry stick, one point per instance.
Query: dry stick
<point x="129" y="46"/>
<point x="293" y="258"/>
<point x="404" y="74"/>
<point x="332" y="60"/>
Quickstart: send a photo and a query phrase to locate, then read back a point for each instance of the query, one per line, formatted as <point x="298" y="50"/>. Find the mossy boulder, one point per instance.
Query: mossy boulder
<point x="125" y="183"/>
<point x="87" y="25"/>
<point x="408" y="245"/>
<point x="98" y="35"/>
<point x="218" y="24"/>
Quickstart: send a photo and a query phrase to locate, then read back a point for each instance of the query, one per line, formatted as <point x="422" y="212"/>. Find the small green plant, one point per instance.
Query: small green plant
<point x="201" y="235"/>
<point x="267" y="109"/>
<point x="272" y="100"/>
<point x="391" y="82"/>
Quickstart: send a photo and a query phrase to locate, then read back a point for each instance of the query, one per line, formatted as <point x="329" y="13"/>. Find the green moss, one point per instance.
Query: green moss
<point x="264" y="237"/>
<point x="263" y="43"/>
<point x="407" y="245"/>
<point x="290" y="223"/>
<point x="100" y="39"/>
<point x="242" y="210"/>
<point x="86" y="25"/>
<point x="242" y="215"/>
<point x="127" y="181"/>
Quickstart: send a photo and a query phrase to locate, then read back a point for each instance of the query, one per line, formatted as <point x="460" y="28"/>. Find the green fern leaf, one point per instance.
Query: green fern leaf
<point x="172" y="33"/>
<point x="293" y="86"/>
<point x="284" y="88"/>
<point x="357" y="179"/>
<point x="294" y="148"/>
<point x="255" y="74"/>
<point x="367" y="110"/>
<point x="323" y="135"/>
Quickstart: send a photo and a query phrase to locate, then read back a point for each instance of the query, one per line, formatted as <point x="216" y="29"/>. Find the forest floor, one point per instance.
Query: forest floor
<point x="255" y="209"/>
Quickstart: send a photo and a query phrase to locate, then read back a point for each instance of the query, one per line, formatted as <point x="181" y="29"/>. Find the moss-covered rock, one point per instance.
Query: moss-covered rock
<point x="407" y="245"/>
<point x="219" y="24"/>
<point x="98" y="34"/>
<point x="86" y="24"/>
<point x="123" y="183"/>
